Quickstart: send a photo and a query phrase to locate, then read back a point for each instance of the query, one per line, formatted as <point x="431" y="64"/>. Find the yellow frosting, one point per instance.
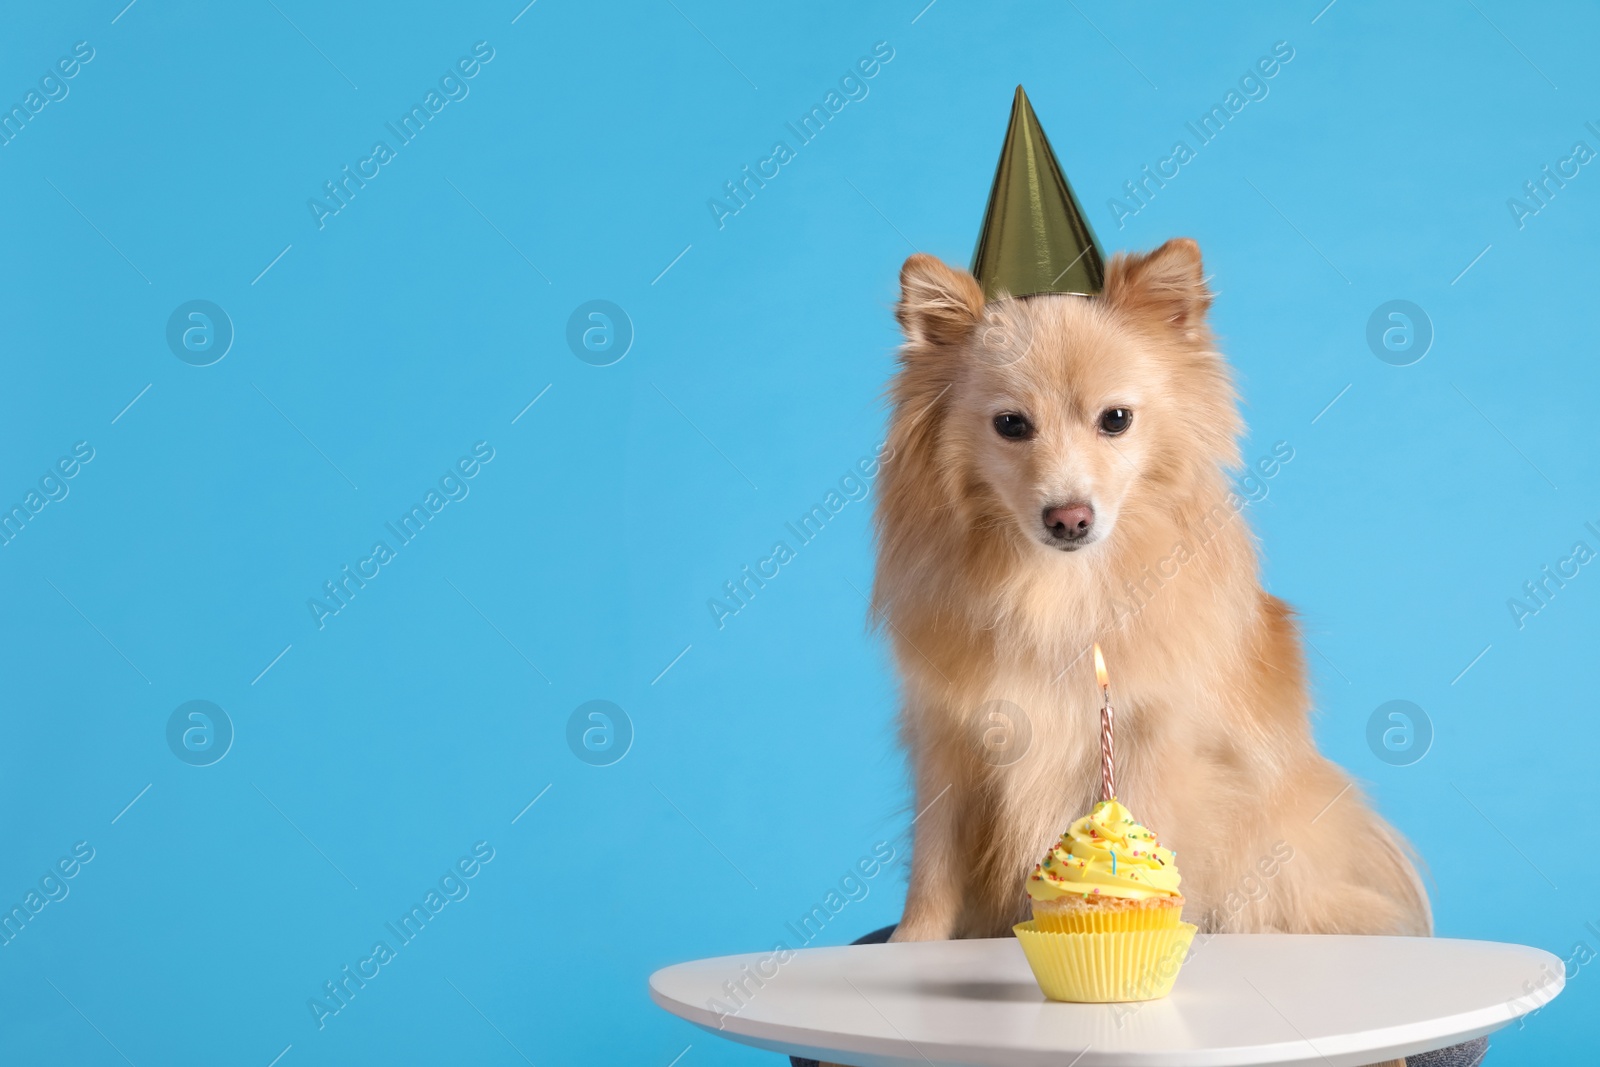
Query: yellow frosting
<point x="1106" y="853"/>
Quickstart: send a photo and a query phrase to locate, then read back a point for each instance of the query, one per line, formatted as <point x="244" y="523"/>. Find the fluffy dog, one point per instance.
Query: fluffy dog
<point x="1059" y="477"/>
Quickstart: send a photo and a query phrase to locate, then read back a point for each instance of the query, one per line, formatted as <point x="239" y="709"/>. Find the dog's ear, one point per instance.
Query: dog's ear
<point x="939" y="305"/>
<point x="1167" y="286"/>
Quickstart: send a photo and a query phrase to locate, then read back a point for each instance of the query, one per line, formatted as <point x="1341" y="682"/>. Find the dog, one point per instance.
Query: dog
<point x="1059" y="476"/>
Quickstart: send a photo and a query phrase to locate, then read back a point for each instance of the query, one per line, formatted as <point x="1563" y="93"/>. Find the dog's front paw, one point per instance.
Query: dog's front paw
<point x="919" y="931"/>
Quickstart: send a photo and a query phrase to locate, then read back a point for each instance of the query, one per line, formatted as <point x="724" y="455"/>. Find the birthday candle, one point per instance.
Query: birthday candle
<point x="1108" y="782"/>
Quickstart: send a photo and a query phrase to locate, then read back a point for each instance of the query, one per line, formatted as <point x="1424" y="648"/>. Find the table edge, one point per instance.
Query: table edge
<point x="782" y="1038"/>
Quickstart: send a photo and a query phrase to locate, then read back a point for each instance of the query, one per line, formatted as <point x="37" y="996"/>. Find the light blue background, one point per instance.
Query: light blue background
<point x="763" y="764"/>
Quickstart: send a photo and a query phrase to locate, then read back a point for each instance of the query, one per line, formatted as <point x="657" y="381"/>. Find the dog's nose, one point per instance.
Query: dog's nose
<point x="1069" y="522"/>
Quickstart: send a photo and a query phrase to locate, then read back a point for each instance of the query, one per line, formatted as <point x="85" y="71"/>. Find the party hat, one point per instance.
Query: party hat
<point x="1035" y="238"/>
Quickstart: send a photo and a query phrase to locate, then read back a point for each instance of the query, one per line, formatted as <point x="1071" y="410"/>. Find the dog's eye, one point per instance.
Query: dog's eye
<point x="1115" y="420"/>
<point x="1013" y="426"/>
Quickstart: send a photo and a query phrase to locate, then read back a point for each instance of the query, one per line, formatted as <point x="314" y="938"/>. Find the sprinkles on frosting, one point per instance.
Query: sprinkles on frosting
<point x="1086" y="860"/>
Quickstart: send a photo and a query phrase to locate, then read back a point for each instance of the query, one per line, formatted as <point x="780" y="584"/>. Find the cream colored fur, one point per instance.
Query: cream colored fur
<point x="1213" y="741"/>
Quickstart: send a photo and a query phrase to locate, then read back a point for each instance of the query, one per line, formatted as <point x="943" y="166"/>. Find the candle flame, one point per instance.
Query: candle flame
<point x="1100" y="668"/>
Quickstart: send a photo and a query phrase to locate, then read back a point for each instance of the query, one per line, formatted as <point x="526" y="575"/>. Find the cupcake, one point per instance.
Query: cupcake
<point x="1106" y="912"/>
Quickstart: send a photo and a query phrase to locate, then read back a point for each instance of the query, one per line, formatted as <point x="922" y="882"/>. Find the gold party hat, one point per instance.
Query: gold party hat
<point x="1035" y="238"/>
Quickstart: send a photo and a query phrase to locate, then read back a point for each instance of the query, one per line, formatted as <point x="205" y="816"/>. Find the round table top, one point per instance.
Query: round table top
<point x="1262" y="999"/>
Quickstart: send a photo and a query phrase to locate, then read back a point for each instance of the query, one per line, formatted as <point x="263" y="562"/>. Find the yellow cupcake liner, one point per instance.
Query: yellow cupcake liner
<point x="1098" y="968"/>
<point x="1081" y="919"/>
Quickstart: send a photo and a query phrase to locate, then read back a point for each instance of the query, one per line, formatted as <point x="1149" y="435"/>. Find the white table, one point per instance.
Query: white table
<point x="1262" y="999"/>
